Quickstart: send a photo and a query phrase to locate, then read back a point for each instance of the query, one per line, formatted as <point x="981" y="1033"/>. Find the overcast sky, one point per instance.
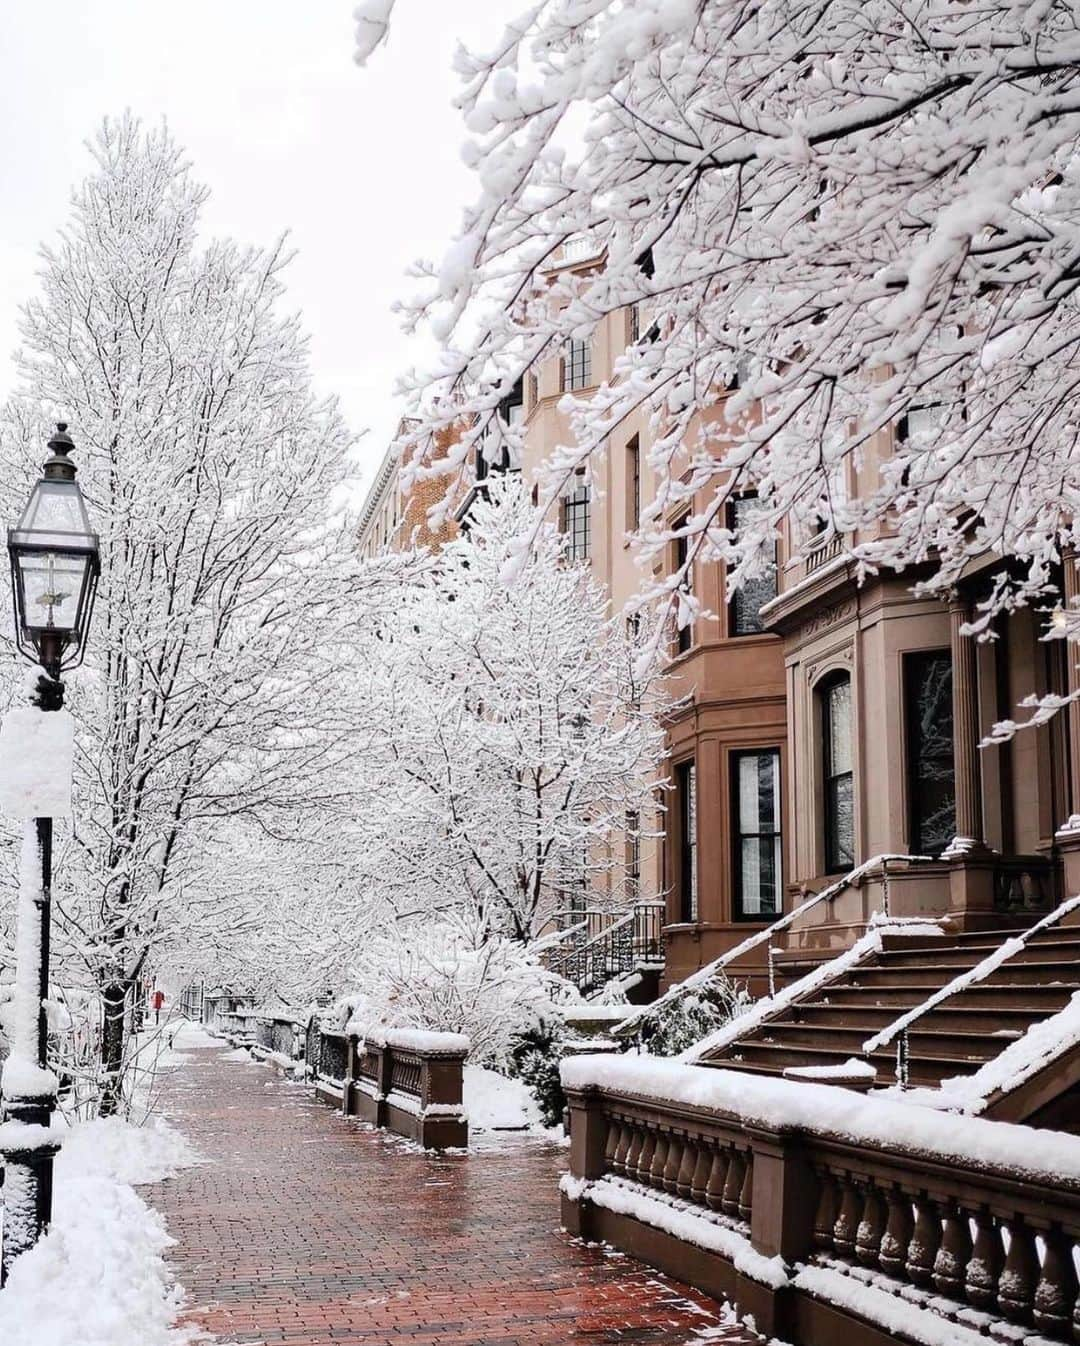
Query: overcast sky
<point x="362" y="166"/>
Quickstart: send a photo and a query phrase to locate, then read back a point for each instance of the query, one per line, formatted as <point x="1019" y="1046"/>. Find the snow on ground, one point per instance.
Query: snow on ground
<point x="188" y="1036"/>
<point x="99" y="1277"/>
<point x="495" y="1103"/>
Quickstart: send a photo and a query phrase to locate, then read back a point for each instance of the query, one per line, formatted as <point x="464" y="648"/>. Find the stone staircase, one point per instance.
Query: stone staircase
<point x="830" y="1023"/>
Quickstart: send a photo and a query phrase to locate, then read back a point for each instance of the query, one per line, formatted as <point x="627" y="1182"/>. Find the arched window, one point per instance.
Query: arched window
<point x="837" y="774"/>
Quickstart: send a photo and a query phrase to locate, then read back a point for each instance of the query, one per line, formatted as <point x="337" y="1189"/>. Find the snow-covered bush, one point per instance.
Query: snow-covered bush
<point x="683" y="1020"/>
<point x="445" y="977"/>
<point x="534" y="1058"/>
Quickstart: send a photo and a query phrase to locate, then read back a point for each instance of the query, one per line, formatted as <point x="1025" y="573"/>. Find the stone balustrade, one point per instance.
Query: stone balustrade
<point x="826" y="1232"/>
<point x="406" y="1080"/>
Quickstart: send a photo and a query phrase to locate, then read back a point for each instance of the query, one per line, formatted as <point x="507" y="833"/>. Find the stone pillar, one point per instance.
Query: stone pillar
<point x="965" y="698"/>
<point x="971" y="877"/>
<point x="1068" y="835"/>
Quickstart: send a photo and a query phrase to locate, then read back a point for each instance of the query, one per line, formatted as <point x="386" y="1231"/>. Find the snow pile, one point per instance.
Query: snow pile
<point x="191" y="1036"/>
<point x="99" y="1277"/>
<point x="823" y="1109"/>
<point x="496" y="1103"/>
<point x="851" y="1069"/>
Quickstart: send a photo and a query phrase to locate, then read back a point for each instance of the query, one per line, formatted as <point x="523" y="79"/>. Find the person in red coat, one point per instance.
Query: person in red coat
<point x="157" y="1000"/>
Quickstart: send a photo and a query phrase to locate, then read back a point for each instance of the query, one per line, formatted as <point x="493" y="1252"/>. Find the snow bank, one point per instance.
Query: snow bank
<point x="191" y="1036"/>
<point x="824" y="1109"/>
<point x="99" y="1276"/>
<point x="496" y="1103"/>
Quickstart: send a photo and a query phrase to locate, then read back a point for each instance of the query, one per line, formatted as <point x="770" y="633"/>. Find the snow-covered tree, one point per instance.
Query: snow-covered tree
<point x="209" y="467"/>
<point x="852" y="230"/>
<point x="503" y="739"/>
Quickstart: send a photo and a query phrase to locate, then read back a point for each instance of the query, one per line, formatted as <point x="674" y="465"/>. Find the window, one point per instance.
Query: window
<point x="756" y="795"/>
<point x="931" y="781"/>
<point x="633" y="855"/>
<point x="686" y="786"/>
<point x="744" y="608"/>
<point x="533" y="385"/>
<point x="684" y="635"/>
<point x="838" y="775"/>
<point x="576" y="365"/>
<point x="575" y="523"/>
<point x="633" y="484"/>
<point x="633" y="324"/>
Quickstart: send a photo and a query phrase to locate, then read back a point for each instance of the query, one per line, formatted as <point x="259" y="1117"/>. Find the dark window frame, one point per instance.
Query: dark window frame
<point x="734" y="627"/>
<point x="738" y="836"/>
<point x="576" y="367"/>
<point x="576" y="522"/>
<point x="633" y="483"/>
<point x="916" y="755"/>
<point x="633" y="855"/>
<point x="835" y="861"/>
<point x="687" y="856"/>
<point x="684" y="635"/>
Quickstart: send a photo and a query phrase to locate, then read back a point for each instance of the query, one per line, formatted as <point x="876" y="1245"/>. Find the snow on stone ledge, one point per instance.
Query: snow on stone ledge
<point x="825" y="1109"/>
<point x="410" y="1039"/>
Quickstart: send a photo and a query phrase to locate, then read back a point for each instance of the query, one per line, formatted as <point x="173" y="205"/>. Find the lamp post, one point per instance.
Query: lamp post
<point x="55" y="564"/>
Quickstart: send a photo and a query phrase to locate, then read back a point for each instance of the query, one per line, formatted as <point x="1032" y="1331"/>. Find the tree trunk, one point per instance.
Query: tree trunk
<point x="112" y="1049"/>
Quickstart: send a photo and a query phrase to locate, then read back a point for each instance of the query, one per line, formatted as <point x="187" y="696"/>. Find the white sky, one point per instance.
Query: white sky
<point x="361" y="165"/>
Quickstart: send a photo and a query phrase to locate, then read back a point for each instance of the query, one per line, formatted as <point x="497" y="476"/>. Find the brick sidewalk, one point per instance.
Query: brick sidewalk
<point x="306" y="1229"/>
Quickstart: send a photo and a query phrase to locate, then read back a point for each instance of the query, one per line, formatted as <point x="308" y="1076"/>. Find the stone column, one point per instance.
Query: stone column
<point x="965" y="699"/>
<point x="1068" y="835"/>
<point x="1072" y="684"/>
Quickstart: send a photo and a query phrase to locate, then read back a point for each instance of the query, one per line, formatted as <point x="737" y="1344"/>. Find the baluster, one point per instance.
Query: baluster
<point x="951" y="1263"/>
<point x="645" y="1158"/>
<point x="871" y="1227"/>
<point x="700" y="1179"/>
<point x="984" y="1267"/>
<point x="659" y="1161"/>
<point x="1016" y="1288"/>
<point x="925" y="1241"/>
<point x="674" y="1159"/>
<point x="897" y="1237"/>
<point x="846" y="1227"/>
<point x="633" y="1153"/>
<point x="729" y="1201"/>
<point x="1055" y="1297"/>
<point x="746" y="1191"/>
<point x="610" y="1145"/>
<point x="714" y="1188"/>
<point x="825" y="1216"/>
<point x="685" y="1179"/>
<point x="619" y="1162"/>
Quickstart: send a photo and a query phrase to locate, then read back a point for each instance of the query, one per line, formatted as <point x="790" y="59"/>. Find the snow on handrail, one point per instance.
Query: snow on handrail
<point x="972" y="976"/>
<point x="704" y="975"/>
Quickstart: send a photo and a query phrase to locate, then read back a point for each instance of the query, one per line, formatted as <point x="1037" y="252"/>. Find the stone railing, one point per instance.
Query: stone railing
<point x="406" y="1080"/>
<point x="331" y="1065"/>
<point x="279" y="1040"/>
<point x="827" y="1218"/>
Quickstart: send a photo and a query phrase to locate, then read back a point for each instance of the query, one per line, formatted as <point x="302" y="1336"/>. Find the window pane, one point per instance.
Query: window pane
<point x="751" y="597"/>
<point x="840" y="851"/>
<point x="757" y="854"/>
<point x="838" y="757"/>
<point x="931" y="779"/>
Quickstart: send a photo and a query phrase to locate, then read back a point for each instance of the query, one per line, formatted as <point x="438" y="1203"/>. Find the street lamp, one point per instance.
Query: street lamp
<point x="55" y="564"/>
